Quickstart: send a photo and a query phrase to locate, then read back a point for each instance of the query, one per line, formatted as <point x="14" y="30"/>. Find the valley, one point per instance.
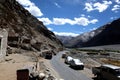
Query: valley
<point x="30" y="49"/>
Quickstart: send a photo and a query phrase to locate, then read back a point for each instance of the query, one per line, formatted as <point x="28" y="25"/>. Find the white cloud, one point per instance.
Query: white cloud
<point x="84" y="21"/>
<point x="93" y="29"/>
<point x="82" y="15"/>
<point x="117" y="1"/>
<point x="93" y="21"/>
<point x="113" y="18"/>
<point x="102" y="7"/>
<point x="89" y="7"/>
<point x="62" y="21"/>
<point x="31" y="7"/>
<point x="51" y="29"/>
<point x="116" y="8"/>
<point x="46" y="21"/>
<point x="56" y="4"/>
<point x="76" y="21"/>
<point x="66" y="34"/>
<point x="97" y="6"/>
<point x="25" y="2"/>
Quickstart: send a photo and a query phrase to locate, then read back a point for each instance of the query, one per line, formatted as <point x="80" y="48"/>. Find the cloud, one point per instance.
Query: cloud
<point x="116" y="8"/>
<point x="88" y="7"/>
<point x="46" y="21"/>
<point x="93" y="29"/>
<point x="93" y="21"/>
<point x="31" y="7"/>
<point x="62" y="21"/>
<point x="97" y="6"/>
<point x="66" y="34"/>
<point x="51" y="29"/>
<point x="56" y="4"/>
<point x="82" y="15"/>
<point x="113" y="18"/>
<point x="83" y="21"/>
<point x="117" y="1"/>
<point x="25" y="2"/>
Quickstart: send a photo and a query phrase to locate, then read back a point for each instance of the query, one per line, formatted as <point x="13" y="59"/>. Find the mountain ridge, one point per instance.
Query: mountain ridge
<point x="25" y="30"/>
<point x="104" y="35"/>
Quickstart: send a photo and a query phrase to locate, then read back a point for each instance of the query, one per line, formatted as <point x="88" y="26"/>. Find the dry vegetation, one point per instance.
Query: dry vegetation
<point x="100" y="56"/>
<point x="111" y="61"/>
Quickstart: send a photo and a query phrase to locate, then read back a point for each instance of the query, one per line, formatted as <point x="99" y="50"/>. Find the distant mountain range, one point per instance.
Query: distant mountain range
<point x="105" y="35"/>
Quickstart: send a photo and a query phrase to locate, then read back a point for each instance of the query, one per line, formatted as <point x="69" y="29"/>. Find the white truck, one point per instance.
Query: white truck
<point x="107" y="72"/>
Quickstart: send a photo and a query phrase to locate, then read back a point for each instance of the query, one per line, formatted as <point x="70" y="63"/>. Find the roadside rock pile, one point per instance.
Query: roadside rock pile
<point x="43" y="74"/>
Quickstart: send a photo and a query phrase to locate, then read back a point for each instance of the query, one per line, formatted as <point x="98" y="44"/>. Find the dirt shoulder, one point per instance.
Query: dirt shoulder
<point x="13" y="62"/>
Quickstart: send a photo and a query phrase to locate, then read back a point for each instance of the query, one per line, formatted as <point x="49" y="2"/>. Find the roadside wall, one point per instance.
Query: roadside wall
<point x="3" y="46"/>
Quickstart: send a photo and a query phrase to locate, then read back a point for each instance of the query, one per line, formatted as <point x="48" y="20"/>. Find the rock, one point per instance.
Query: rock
<point x="25" y="31"/>
<point x="41" y="76"/>
<point x="2" y="1"/>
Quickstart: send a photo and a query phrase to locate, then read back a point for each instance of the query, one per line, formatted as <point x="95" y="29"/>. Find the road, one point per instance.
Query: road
<point x="65" y="71"/>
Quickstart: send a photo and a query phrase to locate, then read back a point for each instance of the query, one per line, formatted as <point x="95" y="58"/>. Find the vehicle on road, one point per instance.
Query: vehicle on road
<point x="64" y="55"/>
<point x="48" y="55"/>
<point x="76" y="64"/>
<point x="108" y="72"/>
<point x="68" y="59"/>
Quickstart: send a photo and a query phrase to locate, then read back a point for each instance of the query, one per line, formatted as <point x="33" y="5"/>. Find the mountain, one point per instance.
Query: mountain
<point x="64" y="39"/>
<point x="105" y="35"/>
<point x="24" y="30"/>
<point x="110" y="35"/>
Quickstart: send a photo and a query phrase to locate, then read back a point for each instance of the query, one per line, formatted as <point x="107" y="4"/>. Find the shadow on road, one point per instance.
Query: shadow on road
<point x="96" y="78"/>
<point x="76" y="68"/>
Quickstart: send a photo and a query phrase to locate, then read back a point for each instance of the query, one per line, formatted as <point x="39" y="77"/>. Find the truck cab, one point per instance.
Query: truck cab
<point x="108" y="72"/>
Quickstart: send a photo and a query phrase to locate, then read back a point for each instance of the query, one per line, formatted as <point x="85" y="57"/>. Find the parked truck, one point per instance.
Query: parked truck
<point x="107" y="72"/>
<point x="47" y="54"/>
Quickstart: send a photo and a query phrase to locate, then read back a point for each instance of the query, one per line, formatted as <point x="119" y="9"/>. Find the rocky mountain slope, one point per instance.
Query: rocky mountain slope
<point x="24" y="30"/>
<point x="64" y="39"/>
<point x="110" y="35"/>
<point x="106" y="35"/>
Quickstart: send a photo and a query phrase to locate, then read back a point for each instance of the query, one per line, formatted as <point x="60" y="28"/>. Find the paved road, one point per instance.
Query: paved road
<point x="64" y="71"/>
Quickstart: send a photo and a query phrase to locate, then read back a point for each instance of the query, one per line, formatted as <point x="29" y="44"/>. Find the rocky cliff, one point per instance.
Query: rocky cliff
<point x="24" y="30"/>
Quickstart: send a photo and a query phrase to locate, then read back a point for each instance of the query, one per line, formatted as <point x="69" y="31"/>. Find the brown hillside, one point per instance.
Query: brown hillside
<point x="25" y="31"/>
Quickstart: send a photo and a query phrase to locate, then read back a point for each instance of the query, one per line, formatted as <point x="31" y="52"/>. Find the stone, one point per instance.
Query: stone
<point x="2" y="1"/>
<point x="3" y="47"/>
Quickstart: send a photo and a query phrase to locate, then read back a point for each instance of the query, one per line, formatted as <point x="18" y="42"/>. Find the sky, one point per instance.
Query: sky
<point x="73" y="17"/>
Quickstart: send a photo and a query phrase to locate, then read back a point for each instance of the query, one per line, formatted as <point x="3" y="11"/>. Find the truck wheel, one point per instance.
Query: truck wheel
<point x="99" y="77"/>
